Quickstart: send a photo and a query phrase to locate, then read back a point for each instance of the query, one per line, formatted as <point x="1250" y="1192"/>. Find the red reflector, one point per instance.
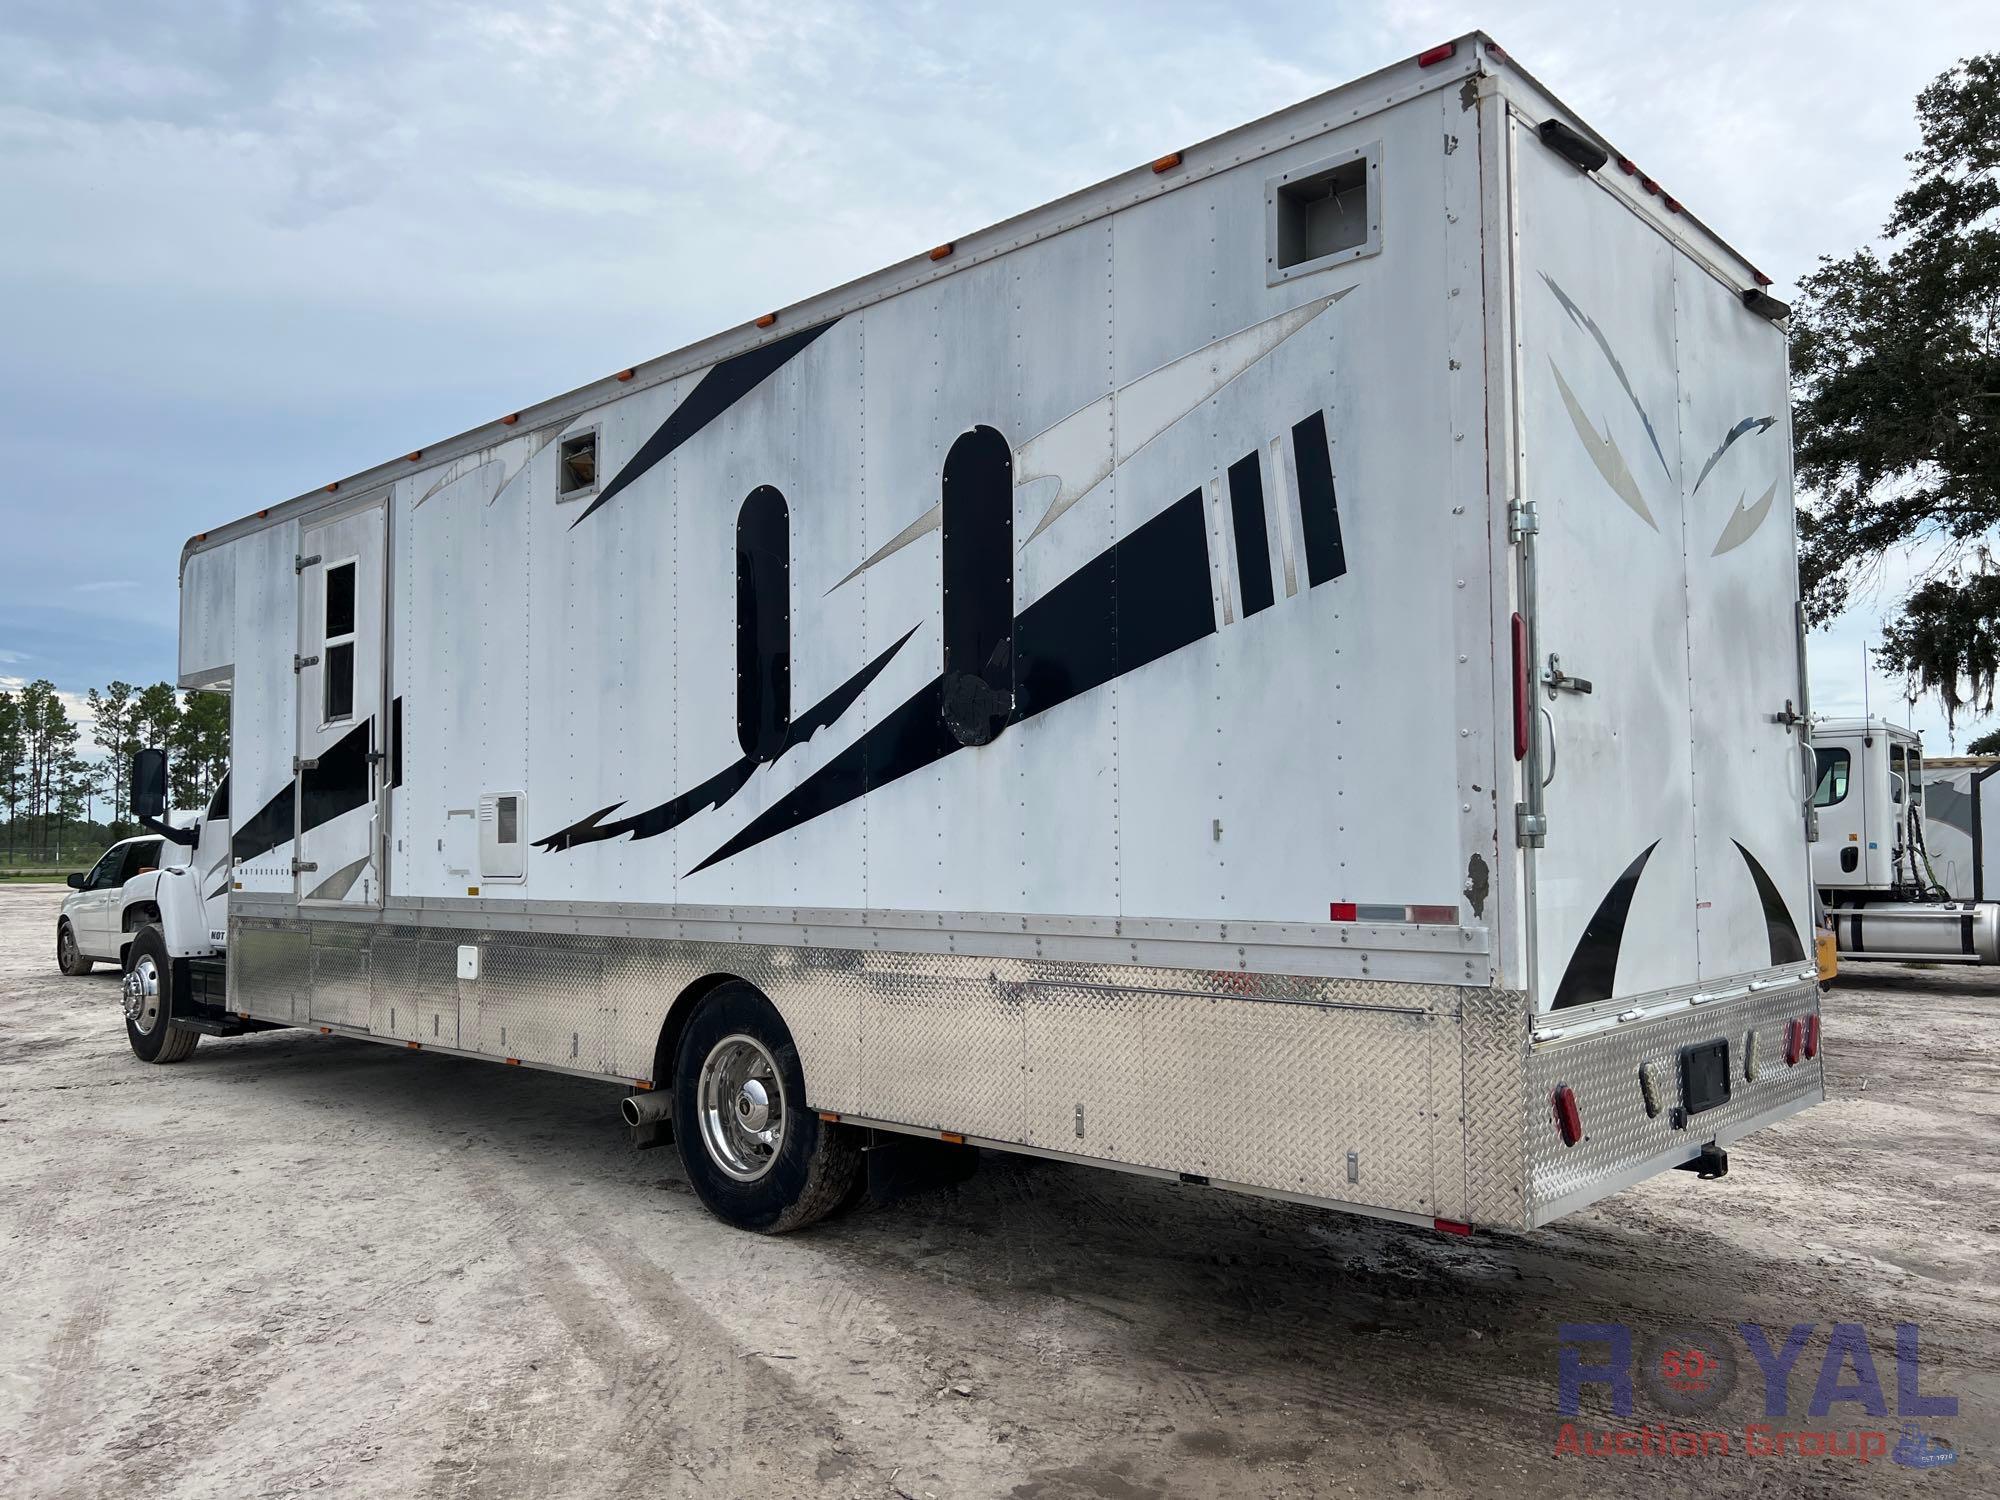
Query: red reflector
<point x="1442" y="52"/>
<point x="1812" y="1036"/>
<point x="1450" y="1226"/>
<point x="1795" y="1041"/>
<point x="1435" y="914"/>
<point x="1342" y="911"/>
<point x="1522" y="706"/>
<point x="1569" y="1119"/>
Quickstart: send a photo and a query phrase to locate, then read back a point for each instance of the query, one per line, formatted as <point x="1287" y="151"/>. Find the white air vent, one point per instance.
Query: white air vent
<point x="502" y="853"/>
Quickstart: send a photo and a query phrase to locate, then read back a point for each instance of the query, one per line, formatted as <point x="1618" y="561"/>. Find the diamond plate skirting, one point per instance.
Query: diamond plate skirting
<point x="1415" y="1100"/>
<point x="1621" y="1142"/>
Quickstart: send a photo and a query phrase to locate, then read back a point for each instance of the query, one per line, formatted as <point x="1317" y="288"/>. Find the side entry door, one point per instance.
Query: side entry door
<point x="343" y="733"/>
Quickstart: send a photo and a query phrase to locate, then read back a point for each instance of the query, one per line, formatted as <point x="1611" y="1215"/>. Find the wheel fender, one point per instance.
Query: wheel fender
<point x="171" y="897"/>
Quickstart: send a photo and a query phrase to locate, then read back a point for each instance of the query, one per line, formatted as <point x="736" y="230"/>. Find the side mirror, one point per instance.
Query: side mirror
<point x="76" y="882"/>
<point x="149" y="784"/>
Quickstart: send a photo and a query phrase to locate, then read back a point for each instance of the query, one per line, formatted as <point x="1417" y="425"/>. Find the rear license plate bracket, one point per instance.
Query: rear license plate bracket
<point x="1704" y="1076"/>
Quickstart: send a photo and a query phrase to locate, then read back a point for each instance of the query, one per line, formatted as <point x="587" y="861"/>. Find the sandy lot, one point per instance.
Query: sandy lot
<point x="298" y="1263"/>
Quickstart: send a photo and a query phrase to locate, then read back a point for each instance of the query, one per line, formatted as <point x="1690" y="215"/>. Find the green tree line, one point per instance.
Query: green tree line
<point x="49" y="788"/>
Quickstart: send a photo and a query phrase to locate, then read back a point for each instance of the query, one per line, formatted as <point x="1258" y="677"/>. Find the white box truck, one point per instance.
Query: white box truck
<point x="1277" y="671"/>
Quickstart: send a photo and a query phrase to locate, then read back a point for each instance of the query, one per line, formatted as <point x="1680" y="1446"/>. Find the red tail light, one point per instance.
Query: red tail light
<point x="1795" y="1042"/>
<point x="1569" y="1119"/>
<point x="1522" y="706"/>
<point x="1812" y="1036"/>
<point x="1442" y="52"/>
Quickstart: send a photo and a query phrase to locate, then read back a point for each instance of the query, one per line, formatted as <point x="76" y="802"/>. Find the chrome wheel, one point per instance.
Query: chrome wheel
<point x="742" y="1104"/>
<point x="142" y="995"/>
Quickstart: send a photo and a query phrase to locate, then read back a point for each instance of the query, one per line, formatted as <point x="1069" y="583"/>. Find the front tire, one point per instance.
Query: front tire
<point x="69" y="958"/>
<point x="149" y="1001"/>
<point x="755" y="1155"/>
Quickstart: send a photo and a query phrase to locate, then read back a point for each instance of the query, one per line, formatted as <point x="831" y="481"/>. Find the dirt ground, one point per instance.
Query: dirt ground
<point x="299" y="1263"/>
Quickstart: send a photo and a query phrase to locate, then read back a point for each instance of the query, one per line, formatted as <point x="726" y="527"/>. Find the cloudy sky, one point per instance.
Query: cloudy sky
<point x="252" y="246"/>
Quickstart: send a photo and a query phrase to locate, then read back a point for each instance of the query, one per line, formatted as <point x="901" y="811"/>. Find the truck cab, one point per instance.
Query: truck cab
<point x="1872" y="863"/>
<point x="188" y="893"/>
<point x="1868" y="794"/>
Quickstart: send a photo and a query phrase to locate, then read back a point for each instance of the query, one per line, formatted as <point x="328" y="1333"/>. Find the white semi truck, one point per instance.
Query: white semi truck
<point x="1877" y="873"/>
<point x="1276" y="671"/>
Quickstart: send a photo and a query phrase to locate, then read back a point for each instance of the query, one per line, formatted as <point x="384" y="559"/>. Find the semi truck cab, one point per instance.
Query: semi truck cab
<point x="1872" y="862"/>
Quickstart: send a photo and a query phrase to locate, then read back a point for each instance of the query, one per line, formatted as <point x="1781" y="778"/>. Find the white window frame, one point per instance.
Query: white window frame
<point x="328" y="642"/>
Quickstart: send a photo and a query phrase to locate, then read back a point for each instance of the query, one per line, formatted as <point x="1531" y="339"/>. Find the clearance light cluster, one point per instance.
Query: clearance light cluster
<point x="1653" y="189"/>
<point x="1801" y="1039"/>
<point x="1360" y="911"/>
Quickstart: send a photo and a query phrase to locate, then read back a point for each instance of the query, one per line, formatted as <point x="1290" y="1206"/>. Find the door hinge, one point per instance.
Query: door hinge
<point x="1522" y="522"/>
<point x="1530" y="828"/>
<point x="300" y="564"/>
<point x="304" y="763"/>
<point x="376" y="757"/>
<point x="300" y="663"/>
<point x="304" y="867"/>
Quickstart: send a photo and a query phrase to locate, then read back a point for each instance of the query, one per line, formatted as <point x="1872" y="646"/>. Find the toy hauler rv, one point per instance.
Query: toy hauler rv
<point x="1275" y="671"/>
<point x="1897" y="884"/>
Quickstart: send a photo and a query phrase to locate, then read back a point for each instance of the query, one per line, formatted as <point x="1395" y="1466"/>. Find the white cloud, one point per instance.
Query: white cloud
<point x="271" y="244"/>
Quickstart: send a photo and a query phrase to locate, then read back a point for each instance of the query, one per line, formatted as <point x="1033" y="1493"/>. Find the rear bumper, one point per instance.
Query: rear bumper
<point x="1623" y="1141"/>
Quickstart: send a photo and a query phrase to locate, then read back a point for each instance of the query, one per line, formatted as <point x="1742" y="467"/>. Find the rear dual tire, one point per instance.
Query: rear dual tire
<point x="149" y="994"/>
<point x="755" y="1155"/>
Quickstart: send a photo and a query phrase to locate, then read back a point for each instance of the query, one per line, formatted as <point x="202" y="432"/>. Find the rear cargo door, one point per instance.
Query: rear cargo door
<point x="1752" y="863"/>
<point x="1657" y="452"/>
<point x="1613" y="888"/>
<point x="342" y="733"/>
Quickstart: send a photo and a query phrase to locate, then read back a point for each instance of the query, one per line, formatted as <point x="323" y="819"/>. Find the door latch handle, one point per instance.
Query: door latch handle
<point x="1556" y="680"/>
<point x="1791" y="718"/>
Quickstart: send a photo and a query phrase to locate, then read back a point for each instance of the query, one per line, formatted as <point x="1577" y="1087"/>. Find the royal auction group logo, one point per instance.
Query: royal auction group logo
<point x="1687" y="1372"/>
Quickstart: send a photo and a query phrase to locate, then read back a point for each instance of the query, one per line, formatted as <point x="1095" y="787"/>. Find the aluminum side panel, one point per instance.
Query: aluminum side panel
<point x="263" y="713"/>
<point x="1367" y="1077"/>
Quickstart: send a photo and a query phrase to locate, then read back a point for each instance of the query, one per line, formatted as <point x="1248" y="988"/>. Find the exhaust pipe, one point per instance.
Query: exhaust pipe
<point x="646" y="1109"/>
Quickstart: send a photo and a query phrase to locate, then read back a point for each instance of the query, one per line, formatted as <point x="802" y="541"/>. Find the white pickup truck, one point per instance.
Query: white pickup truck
<point x="157" y="905"/>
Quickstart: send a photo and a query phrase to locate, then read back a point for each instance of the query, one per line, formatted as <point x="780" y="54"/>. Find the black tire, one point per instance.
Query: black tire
<point x="68" y="957"/>
<point x="814" y="1166"/>
<point x="151" y="1031"/>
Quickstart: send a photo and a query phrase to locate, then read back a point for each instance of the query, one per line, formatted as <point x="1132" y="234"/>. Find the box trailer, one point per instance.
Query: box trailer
<point x="1961" y="810"/>
<point x="1277" y="671"/>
